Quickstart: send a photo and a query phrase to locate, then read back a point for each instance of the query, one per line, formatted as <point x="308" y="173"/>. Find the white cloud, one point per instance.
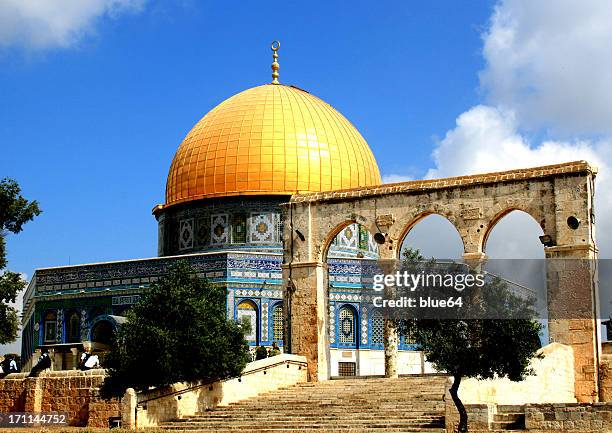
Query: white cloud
<point x="547" y="71"/>
<point x="551" y="63"/>
<point x="39" y="24"/>
<point x="395" y="178"/>
<point x="486" y="139"/>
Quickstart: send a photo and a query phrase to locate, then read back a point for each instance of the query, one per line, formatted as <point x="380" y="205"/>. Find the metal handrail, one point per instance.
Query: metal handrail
<point x="211" y="381"/>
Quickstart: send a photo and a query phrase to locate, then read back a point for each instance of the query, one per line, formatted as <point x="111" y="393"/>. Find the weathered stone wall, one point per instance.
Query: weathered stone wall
<point x="12" y="394"/>
<point x="73" y="392"/>
<point x="539" y="418"/>
<point x="182" y="399"/>
<point x="552" y="382"/>
<point x="571" y="417"/>
<point x="478" y="416"/>
<point x="605" y="376"/>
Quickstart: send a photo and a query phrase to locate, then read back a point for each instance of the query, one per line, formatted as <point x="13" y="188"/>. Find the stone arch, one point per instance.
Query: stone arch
<point x="403" y="230"/>
<point x="498" y="217"/>
<point x="331" y="235"/>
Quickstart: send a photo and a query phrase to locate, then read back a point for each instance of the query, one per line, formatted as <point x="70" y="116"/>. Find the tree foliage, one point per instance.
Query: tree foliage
<point x="476" y="345"/>
<point x="15" y="211"/>
<point x="178" y="332"/>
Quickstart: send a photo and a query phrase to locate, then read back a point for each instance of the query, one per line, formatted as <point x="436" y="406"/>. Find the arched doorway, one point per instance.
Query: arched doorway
<point x="349" y="256"/>
<point x="102" y="333"/>
<point x="247" y="313"/>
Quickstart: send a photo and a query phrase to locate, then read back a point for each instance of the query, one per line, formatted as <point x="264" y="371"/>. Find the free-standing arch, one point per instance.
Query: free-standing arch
<point x="500" y="216"/>
<point x="559" y="197"/>
<point x="415" y="223"/>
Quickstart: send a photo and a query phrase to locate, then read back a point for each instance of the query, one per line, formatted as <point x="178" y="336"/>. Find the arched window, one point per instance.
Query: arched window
<point x="277" y="323"/>
<point x="247" y="312"/>
<point x="239" y="228"/>
<point x="74" y="327"/>
<point x="50" y="327"/>
<point x="347" y="326"/>
<point x="378" y="328"/>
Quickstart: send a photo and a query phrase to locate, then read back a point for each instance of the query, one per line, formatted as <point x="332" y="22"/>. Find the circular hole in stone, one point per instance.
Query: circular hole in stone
<point x="573" y="222"/>
<point x="379" y="238"/>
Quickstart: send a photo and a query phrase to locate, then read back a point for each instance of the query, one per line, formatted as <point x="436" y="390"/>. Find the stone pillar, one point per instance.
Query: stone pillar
<point x="54" y="362"/>
<point x="390" y="332"/>
<point x="391" y="344"/>
<point x="475" y="260"/>
<point x="309" y="321"/>
<point x="75" y="357"/>
<point x="33" y="394"/>
<point x="573" y="312"/>
<point x="128" y="409"/>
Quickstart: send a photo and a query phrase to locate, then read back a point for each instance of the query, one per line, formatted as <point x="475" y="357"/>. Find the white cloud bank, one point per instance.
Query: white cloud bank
<point x="547" y="72"/>
<point x="41" y="24"/>
<point x="551" y="62"/>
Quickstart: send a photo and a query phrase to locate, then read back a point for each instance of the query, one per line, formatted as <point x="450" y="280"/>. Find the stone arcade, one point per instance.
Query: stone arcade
<point x="554" y="196"/>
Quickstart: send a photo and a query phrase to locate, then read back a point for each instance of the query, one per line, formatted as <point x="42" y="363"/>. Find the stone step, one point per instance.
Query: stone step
<point x="339" y="405"/>
<point x="315" y="416"/>
<point x="412" y="404"/>
<point x="390" y="427"/>
<point x="247" y="424"/>
<point x="318" y="430"/>
<point x="318" y="416"/>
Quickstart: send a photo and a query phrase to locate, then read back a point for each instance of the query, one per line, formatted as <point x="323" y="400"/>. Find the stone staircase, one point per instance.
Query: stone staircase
<point x="509" y="418"/>
<point x="407" y="404"/>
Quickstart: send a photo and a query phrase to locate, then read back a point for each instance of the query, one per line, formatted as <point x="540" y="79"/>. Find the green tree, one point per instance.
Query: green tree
<point x="492" y="335"/>
<point x="15" y="211"/>
<point x="178" y="332"/>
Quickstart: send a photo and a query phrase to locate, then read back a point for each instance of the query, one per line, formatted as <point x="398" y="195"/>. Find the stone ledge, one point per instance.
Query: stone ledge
<point x="451" y="182"/>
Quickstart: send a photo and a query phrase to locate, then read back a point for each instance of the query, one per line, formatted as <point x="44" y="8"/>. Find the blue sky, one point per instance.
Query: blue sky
<point x="96" y="95"/>
<point x="90" y="130"/>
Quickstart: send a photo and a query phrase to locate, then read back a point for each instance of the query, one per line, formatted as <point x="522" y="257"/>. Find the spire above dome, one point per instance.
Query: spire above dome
<point x="275" y="66"/>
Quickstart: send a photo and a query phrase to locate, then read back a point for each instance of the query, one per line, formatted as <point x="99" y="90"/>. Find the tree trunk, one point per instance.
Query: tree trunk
<point x="463" y="416"/>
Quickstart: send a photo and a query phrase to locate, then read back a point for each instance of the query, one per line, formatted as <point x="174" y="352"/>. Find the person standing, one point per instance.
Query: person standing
<point x="84" y="357"/>
<point x="13" y="366"/>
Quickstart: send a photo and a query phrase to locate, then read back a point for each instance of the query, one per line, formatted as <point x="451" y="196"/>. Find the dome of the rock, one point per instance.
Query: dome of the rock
<point x="270" y="140"/>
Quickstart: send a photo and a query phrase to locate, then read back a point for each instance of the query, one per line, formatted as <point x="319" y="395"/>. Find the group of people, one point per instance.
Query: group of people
<point x="86" y="362"/>
<point x="261" y="352"/>
<point x="8" y="366"/>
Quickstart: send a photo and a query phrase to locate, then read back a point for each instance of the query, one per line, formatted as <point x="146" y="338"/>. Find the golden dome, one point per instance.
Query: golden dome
<point x="270" y="139"/>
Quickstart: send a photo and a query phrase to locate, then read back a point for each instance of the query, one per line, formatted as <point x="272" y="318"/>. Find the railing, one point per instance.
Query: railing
<point x="211" y="381"/>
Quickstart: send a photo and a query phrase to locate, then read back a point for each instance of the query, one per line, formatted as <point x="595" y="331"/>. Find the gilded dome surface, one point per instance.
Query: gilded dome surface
<point x="270" y="139"/>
